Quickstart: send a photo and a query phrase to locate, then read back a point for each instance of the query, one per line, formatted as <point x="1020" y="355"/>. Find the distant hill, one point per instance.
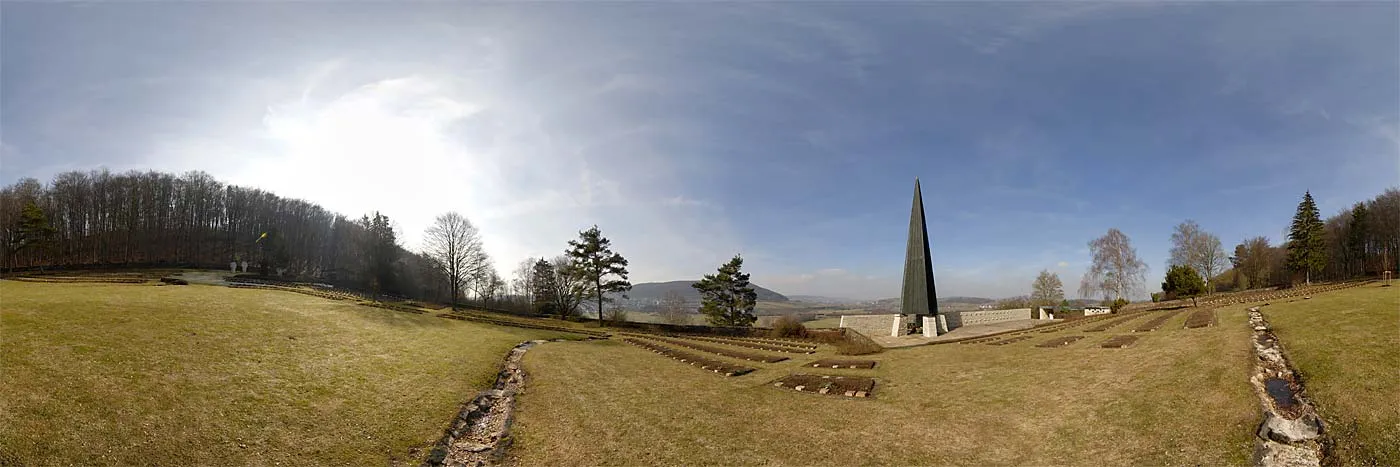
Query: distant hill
<point x="652" y="292"/>
<point x="824" y="300"/>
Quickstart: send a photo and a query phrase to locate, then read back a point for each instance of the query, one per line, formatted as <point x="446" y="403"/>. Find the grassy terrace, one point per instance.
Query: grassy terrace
<point x="1347" y="346"/>
<point x="136" y="374"/>
<point x="1177" y="396"/>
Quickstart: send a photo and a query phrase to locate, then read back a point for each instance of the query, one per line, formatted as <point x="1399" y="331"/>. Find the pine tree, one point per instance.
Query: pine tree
<point x="1182" y="281"/>
<point x="1307" y="249"/>
<point x="726" y="297"/>
<point x="591" y="258"/>
<point x="1357" y="234"/>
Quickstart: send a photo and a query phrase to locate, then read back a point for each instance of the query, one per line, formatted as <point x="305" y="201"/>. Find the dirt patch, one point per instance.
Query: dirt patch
<point x="1154" y="323"/>
<point x="834" y="363"/>
<point x="715" y="350"/>
<point x="1119" y="342"/>
<point x="849" y="386"/>
<point x="1201" y="318"/>
<point x="692" y="359"/>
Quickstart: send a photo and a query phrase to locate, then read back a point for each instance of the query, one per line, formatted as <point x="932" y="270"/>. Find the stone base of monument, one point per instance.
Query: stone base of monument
<point x="849" y="386"/>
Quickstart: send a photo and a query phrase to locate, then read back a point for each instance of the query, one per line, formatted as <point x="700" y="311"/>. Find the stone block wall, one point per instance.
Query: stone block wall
<point x="957" y="319"/>
<point x="874" y="325"/>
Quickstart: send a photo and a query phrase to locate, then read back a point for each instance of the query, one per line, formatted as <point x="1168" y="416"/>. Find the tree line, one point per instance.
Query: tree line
<point x="1360" y="241"/>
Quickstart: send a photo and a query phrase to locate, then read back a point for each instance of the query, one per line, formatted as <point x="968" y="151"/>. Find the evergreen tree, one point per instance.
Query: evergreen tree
<point x="544" y="288"/>
<point x="591" y="258"/>
<point x="33" y="231"/>
<point x="726" y="297"/>
<point x="1182" y="281"/>
<point x="1307" y="249"/>
<point x="1357" y="235"/>
<point x="381" y="250"/>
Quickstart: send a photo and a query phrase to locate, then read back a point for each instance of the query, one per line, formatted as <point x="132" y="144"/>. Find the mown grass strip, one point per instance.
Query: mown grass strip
<point x="692" y="359"/>
<point x="1059" y="341"/>
<point x="1154" y="323"/>
<point x="714" y="350"/>
<point x="751" y="345"/>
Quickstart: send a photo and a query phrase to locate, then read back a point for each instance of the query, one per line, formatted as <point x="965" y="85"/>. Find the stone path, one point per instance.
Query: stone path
<point x="1291" y="434"/>
<point x="478" y="436"/>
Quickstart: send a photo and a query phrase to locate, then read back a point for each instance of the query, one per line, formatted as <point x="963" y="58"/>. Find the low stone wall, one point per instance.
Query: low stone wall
<point x="874" y="325"/>
<point x="957" y="319"/>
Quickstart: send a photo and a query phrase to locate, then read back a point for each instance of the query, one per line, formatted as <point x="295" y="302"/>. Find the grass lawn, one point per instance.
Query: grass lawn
<point x="1178" y="396"/>
<point x="1346" y="344"/>
<point x="181" y="375"/>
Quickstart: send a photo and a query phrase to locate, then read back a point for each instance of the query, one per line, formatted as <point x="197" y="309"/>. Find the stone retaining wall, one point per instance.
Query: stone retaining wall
<point x="957" y="319"/>
<point x="874" y="325"/>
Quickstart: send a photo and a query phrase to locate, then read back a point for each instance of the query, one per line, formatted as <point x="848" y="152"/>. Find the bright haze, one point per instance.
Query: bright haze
<point x="791" y="133"/>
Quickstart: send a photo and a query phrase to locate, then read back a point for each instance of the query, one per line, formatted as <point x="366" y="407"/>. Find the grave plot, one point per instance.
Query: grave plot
<point x="1110" y="324"/>
<point x="834" y="363"/>
<point x="849" y="386"/>
<point x="1119" y="342"/>
<point x="1071" y="324"/>
<point x="1010" y="340"/>
<point x="776" y="341"/>
<point x="1059" y="341"/>
<point x="753" y="357"/>
<point x="1201" y="318"/>
<point x="518" y="324"/>
<point x="1154" y="323"/>
<point x="716" y="366"/>
<point x="751" y="345"/>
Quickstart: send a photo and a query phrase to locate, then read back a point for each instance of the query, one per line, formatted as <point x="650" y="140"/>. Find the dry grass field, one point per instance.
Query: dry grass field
<point x="204" y="375"/>
<point x="1347" y="346"/>
<point x="1177" y="396"/>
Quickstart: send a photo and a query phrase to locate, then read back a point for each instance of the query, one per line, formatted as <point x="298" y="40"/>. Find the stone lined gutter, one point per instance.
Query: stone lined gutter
<point x="479" y="434"/>
<point x="1291" y="433"/>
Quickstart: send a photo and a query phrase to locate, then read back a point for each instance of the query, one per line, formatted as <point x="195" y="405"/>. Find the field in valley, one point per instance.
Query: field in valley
<point x="97" y="374"/>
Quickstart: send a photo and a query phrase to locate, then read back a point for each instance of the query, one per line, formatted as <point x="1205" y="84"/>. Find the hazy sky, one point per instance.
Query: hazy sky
<point x="790" y="133"/>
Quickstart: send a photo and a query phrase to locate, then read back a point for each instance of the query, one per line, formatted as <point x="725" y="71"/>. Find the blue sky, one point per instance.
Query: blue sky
<point x="788" y="132"/>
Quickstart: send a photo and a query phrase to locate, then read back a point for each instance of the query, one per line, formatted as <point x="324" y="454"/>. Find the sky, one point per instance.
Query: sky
<point x="790" y="133"/>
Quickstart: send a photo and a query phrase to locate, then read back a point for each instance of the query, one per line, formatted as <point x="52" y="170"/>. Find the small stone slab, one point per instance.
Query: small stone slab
<point x="834" y="363"/>
<point x="1059" y="341"/>
<point x="848" y="386"/>
<point x="1119" y="342"/>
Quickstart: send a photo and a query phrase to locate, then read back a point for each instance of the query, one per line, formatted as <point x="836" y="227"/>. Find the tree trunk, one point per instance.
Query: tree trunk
<point x="599" y="289"/>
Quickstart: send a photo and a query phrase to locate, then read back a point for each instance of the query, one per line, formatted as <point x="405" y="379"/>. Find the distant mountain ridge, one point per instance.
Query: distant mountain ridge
<point x="650" y="292"/>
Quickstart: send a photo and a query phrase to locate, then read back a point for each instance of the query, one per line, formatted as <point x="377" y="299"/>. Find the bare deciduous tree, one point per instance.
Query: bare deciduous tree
<point x="455" y="246"/>
<point x="1116" y="271"/>
<point x="1047" y="290"/>
<point x="673" y="308"/>
<point x="1253" y="260"/>
<point x="1197" y="249"/>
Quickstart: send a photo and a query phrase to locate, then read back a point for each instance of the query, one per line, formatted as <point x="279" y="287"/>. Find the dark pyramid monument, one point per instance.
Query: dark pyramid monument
<point x="918" y="296"/>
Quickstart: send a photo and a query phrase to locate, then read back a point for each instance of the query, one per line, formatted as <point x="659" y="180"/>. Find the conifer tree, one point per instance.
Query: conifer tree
<point x="726" y="297"/>
<point x="1307" y="249"/>
<point x="591" y="258"/>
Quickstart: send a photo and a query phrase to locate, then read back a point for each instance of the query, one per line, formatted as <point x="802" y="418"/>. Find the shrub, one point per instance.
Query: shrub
<point x="615" y="314"/>
<point x="1118" y="304"/>
<point x="788" y="326"/>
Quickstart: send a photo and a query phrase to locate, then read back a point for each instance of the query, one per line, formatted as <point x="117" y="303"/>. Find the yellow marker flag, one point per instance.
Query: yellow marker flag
<point x="260" y="237"/>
